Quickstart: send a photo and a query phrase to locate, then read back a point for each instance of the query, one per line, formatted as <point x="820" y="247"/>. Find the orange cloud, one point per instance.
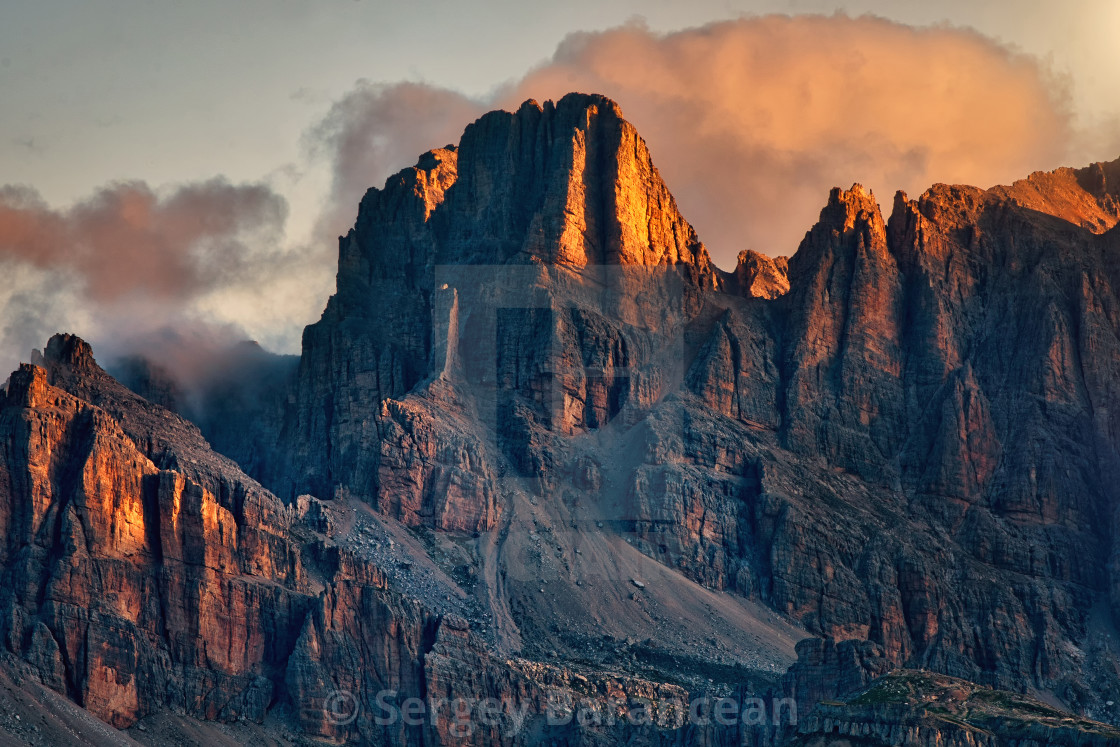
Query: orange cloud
<point x="752" y="121"/>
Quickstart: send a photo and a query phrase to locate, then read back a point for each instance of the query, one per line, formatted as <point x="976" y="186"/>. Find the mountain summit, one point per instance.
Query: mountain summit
<point x="540" y="450"/>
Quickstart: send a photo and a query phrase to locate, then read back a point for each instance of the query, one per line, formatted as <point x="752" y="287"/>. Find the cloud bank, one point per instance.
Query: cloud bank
<point x="125" y="240"/>
<point x="377" y="129"/>
<point x="129" y="260"/>
<point x="752" y="121"/>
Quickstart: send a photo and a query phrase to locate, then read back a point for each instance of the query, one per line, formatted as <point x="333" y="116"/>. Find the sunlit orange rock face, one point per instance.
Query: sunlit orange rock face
<point x="132" y="579"/>
<point x="759" y="276"/>
<point x="902" y="439"/>
<point x="144" y="573"/>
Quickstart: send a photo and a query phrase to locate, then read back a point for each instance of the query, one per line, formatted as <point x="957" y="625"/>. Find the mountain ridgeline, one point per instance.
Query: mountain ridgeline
<point x="539" y="446"/>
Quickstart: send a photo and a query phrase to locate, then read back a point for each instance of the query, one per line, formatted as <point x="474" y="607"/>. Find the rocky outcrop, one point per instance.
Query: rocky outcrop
<point x="1088" y="197"/>
<point x="759" y="276"/>
<point x="920" y="709"/>
<point x="145" y="577"/>
<point x="131" y="583"/>
<point x="144" y="573"/>
<point x="842" y="370"/>
<point x="948" y="364"/>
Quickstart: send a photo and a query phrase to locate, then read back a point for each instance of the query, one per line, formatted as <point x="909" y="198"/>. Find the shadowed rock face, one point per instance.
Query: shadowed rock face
<point x="534" y="417"/>
<point x="144" y="574"/>
<point x="957" y="365"/>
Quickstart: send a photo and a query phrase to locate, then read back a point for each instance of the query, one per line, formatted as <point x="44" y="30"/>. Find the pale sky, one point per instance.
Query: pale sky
<point x="99" y="91"/>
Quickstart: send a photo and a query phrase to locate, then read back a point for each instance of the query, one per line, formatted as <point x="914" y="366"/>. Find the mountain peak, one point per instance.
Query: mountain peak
<point x="569" y="104"/>
<point x="70" y="350"/>
<point x="567" y="182"/>
<point x="589" y="101"/>
<point x="1088" y="197"/>
<point x="852" y="203"/>
<point x="577" y="184"/>
<point x="906" y="457"/>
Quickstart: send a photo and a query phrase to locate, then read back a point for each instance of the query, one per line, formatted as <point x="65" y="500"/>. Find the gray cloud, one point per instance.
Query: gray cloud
<point x="34" y="304"/>
<point x="130" y="259"/>
<point x="375" y="130"/>
<point x="127" y="240"/>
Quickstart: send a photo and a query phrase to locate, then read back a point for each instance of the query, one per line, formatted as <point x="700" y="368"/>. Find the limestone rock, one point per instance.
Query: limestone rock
<point x="532" y="386"/>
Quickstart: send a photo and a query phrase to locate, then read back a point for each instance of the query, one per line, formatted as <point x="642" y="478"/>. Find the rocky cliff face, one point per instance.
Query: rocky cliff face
<point x="141" y="570"/>
<point x="539" y="446"/>
<point x="145" y="575"/>
<point x="563" y="188"/>
<point x="759" y="276"/>
<point x="936" y="390"/>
